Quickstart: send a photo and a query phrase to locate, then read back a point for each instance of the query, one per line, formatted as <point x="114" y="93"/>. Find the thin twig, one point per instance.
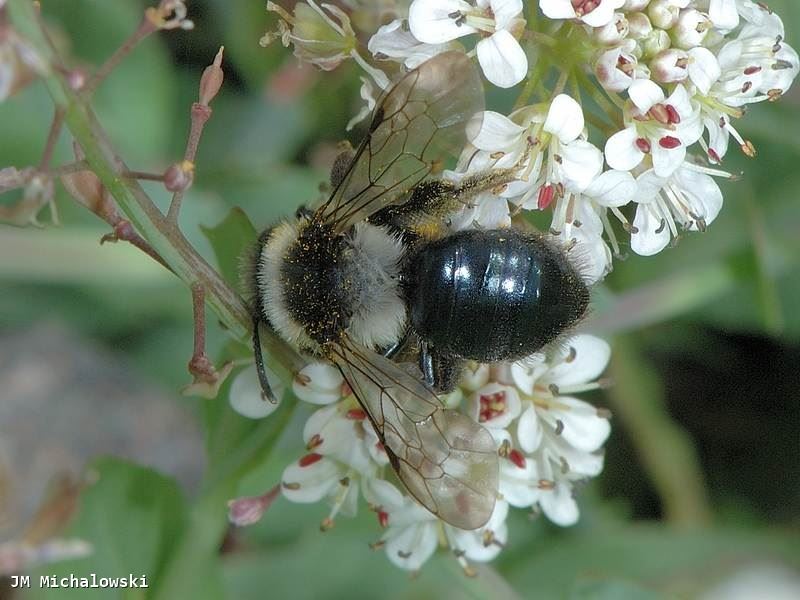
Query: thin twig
<point x="52" y="138"/>
<point x="200" y="116"/>
<point x="145" y="28"/>
<point x="141" y="175"/>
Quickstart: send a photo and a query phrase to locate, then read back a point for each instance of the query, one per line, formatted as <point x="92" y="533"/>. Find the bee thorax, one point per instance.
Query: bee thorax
<point x="318" y="285"/>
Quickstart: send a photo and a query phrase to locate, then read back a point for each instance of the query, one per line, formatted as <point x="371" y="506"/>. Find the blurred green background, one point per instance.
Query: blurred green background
<point x="702" y="477"/>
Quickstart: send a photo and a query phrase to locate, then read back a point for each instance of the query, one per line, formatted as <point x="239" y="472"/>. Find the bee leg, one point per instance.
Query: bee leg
<point x="440" y="372"/>
<point x="394" y="349"/>
<point x="266" y="390"/>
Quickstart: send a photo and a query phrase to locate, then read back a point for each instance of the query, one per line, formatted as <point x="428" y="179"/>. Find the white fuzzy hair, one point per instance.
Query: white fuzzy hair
<point x="373" y="266"/>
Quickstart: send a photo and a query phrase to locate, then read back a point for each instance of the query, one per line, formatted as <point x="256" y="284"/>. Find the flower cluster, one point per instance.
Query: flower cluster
<point x="548" y="440"/>
<point x="626" y="142"/>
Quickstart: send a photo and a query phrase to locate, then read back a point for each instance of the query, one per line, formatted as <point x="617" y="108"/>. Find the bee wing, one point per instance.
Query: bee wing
<point x="447" y="461"/>
<point x="417" y="123"/>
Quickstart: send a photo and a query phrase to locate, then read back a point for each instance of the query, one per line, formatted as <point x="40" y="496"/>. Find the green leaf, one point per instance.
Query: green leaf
<point x="611" y="590"/>
<point x="132" y="516"/>
<point x="231" y="239"/>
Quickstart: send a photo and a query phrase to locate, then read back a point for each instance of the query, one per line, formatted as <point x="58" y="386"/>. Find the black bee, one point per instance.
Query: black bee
<point x="353" y="279"/>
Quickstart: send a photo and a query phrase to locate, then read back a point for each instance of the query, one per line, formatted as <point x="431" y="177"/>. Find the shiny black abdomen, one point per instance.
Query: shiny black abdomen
<point x="492" y="295"/>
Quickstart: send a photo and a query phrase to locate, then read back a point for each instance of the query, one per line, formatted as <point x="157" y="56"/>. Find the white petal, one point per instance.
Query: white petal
<point x="559" y="506"/>
<point x="666" y="160"/>
<point x="318" y="383"/>
<point x="703" y="193"/>
<point x="557" y="9"/>
<point x="475" y="376"/>
<point x="581" y="162"/>
<point x="648" y="187"/>
<point x="410" y="548"/>
<point x="612" y="188"/>
<point x="246" y="396"/>
<point x="382" y="493"/>
<point x="723" y="14"/>
<point x="505" y="11"/>
<point x="591" y="356"/>
<point x="497" y="132"/>
<point x="602" y="15"/>
<point x="583" y="429"/>
<point x="704" y="69"/>
<point x="564" y="118"/>
<point x="317" y="421"/>
<point x="652" y="235"/>
<point x="502" y="59"/>
<point x="621" y="151"/>
<point x="529" y="430"/>
<point x="315" y="480"/>
<point x="590" y="252"/>
<point x="645" y="93"/>
<point x="524" y="373"/>
<point x="471" y="543"/>
<point x="430" y="20"/>
<point x="519" y="486"/>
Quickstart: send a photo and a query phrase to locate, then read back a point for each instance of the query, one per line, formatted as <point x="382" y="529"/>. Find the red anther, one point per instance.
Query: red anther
<point x="643" y="145"/>
<point x="546" y="195"/>
<point x="491" y="406"/>
<point x="669" y="142"/>
<point x="752" y="70"/>
<point x="714" y="156"/>
<point x="309" y="459"/>
<point x="516" y="457"/>
<point x="672" y="112"/>
<point x="383" y="519"/>
<point x="356" y="414"/>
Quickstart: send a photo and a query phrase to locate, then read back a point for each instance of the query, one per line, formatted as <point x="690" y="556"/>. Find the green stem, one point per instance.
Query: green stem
<point x="666" y="451"/>
<point x="163" y="235"/>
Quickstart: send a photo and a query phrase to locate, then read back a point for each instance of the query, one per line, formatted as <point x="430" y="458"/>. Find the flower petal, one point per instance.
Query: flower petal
<point x="581" y="162"/>
<point x="704" y="69"/>
<point x="502" y="59"/>
<point x="621" y="151"/>
<point x="645" y="93"/>
<point x="582" y="427"/>
<point x="431" y="22"/>
<point x="310" y="483"/>
<point x="559" y="506"/>
<point x="564" y="118"/>
<point x="412" y="546"/>
<point x="246" y="396"/>
<point x="318" y="383"/>
<point x="529" y="430"/>
<point x="557" y="9"/>
<point x="590" y="356"/>
<point x="667" y="160"/>
<point x="497" y="133"/>
<point x="651" y="235"/>
<point x="612" y="188"/>
<point x="505" y="11"/>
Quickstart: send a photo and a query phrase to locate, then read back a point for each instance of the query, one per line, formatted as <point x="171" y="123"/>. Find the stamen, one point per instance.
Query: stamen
<point x="669" y="142"/>
<point x="559" y="427"/>
<point x="309" y="459"/>
<point x="516" y="457"/>
<point x="643" y="144"/>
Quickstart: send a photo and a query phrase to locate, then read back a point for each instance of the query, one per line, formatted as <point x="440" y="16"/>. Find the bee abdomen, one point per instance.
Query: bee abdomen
<point x="492" y="295"/>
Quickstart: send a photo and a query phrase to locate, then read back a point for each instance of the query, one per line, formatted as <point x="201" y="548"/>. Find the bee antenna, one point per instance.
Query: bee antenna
<point x="266" y="390"/>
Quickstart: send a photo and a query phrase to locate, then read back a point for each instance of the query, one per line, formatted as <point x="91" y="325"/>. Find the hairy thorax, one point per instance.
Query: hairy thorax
<point x="320" y="285"/>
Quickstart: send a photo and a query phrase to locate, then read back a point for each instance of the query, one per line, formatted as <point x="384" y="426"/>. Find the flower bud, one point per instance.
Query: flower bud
<point x="691" y="29"/>
<point x="670" y="66"/>
<point x="655" y="43"/>
<point x="639" y="26"/>
<point x="179" y="176"/>
<point x="212" y="78"/>
<point x="663" y="13"/>
<point x="613" y="32"/>
<point x="635" y="5"/>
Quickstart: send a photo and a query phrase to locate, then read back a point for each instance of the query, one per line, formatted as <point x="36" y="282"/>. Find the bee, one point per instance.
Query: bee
<point x="350" y="281"/>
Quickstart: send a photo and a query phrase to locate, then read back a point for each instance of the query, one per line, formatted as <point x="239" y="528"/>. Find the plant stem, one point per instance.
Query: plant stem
<point x="666" y="451"/>
<point x="163" y="236"/>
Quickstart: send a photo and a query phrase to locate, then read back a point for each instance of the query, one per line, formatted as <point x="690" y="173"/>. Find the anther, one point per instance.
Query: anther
<point x="326" y="525"/>
<point x="643" y="144"/>
<point x="553" y="389"/>
<point x="662" y="226"/>
<point x="309" y="459"/>
<point x="669" y="142"/>
<point x="749" y="149"/>
<point x="571" y="355"/>
<point x="516" y="457"/>
<point x="559" y="426"/>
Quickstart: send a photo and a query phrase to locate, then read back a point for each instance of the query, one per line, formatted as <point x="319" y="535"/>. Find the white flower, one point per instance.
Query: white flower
<point x="658" y="127"/>
<point x="580" y="218"/>
<point x="368" y="95"/>
<point x="690" y="196"/>
<point x="502" y="59"/>
<point x="413" y="534"/>
<point x="595" y="13"/>
<point x="549" y="150"/>
<point x="617" y="68"/>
